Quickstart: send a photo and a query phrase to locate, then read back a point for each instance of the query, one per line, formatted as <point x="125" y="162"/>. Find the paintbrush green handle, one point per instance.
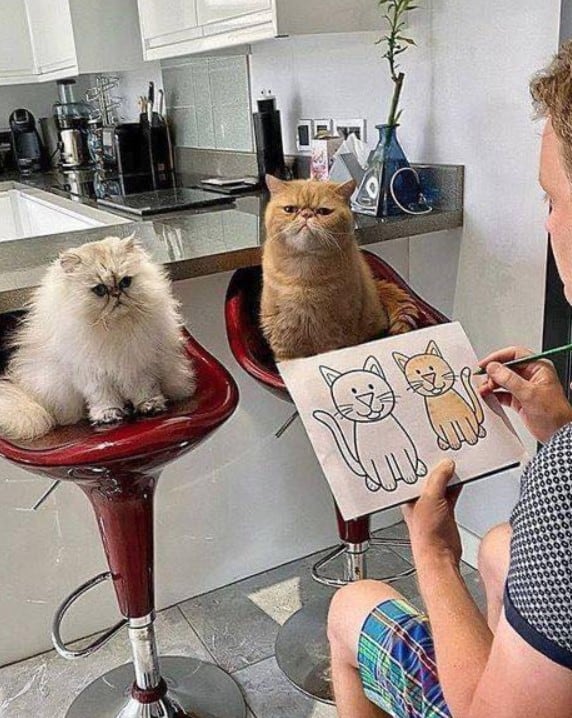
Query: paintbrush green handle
<point x="530" y="358"/>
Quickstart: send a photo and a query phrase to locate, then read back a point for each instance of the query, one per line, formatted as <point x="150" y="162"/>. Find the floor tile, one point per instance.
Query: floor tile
<point x="47" y="684"/>
<point x="239" y="623"/>
<point x="270" y="695"/>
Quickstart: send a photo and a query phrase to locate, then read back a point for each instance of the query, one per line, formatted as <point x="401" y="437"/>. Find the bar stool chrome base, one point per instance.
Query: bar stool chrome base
<point x="302" y="647"/>
<point x="303" y="651"/>
<point x="195" y="689"/>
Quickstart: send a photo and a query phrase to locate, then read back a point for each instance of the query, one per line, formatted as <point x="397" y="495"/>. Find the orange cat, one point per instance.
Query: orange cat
<point x="319" y="293"/>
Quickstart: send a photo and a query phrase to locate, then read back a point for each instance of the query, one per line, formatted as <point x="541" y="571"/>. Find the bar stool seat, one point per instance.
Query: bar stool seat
<point x="118" y="467"/>
<point x="302" y="649"/>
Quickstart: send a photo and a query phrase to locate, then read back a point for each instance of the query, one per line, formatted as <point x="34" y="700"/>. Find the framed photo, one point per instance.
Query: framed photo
<point x="343" y="128"/>
<point x="304" y="135"/>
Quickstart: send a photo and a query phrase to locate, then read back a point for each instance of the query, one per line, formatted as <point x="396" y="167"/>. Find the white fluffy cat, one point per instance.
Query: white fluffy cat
<point x="102" y="336"/>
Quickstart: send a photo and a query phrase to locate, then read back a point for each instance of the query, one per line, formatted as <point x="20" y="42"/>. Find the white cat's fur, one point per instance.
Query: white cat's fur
<point x="79" y="354"/>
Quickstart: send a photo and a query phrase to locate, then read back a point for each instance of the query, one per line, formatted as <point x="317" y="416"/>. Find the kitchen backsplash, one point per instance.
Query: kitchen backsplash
<point x="208" y="100"/>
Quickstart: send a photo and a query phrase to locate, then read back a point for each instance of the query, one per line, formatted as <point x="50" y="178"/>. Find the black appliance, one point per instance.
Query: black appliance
<point x="28" y="149"/>
<point x="268" y="134"/>
<point x="139" y="155"/>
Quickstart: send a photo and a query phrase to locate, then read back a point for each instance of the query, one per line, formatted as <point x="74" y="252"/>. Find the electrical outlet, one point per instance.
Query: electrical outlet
<point x="343" y="128"/>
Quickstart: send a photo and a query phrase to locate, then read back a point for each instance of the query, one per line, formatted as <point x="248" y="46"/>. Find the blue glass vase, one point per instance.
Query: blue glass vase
<point x="388" y="186"/>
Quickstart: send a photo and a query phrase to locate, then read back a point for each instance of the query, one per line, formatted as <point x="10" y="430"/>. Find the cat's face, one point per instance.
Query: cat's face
<point x="308" y="215"/>
<point x="361" y="395"/>
<point x="107" y="278"/>
<point x="428" y="374"/>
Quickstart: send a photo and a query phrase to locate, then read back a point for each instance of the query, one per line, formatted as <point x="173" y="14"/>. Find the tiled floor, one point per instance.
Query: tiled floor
<point x="235" y="626"/>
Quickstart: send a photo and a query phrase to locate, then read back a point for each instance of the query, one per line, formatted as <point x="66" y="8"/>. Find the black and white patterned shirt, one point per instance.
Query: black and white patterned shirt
<point x="538" y="593"/>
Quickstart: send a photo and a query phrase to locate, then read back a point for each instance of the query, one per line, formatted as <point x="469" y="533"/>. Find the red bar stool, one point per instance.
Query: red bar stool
<point x="302" y="649"/>
<point x="118" y="468"/>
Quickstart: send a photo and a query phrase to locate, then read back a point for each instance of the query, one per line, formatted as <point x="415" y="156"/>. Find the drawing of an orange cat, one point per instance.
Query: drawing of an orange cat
<point x="452" y="418"/>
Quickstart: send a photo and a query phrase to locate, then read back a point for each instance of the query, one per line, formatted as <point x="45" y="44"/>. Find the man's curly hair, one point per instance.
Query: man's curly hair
<point x="551" y="91"/>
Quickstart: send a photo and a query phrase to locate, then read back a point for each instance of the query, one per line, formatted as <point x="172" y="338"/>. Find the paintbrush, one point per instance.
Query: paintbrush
<point x="531" y="357"/>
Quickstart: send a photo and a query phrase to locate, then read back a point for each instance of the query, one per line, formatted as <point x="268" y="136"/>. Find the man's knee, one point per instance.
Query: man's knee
<point x="494" y="554"/>
<point x="350" y="607"/>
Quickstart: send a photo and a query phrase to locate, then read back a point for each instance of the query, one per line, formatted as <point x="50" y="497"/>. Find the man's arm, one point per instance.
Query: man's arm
<point x="461" y="635"/>
<point x="481" y="677"/>
<point x="520" y="681"/>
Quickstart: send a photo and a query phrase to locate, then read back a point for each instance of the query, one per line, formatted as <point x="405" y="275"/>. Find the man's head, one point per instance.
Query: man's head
<point x="552" y="94"/>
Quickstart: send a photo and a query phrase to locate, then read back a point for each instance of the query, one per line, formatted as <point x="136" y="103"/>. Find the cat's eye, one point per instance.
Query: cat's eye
<point x="290" y="209"/>
<point x="100" y="290"/>
<point x="354" y="391"/>
<point x="125" y="282"/>
<point x="324" y="211"/>
<point x="431" y="368"/>
<point x="418" y="371"/>
<point x="370" y="387"/>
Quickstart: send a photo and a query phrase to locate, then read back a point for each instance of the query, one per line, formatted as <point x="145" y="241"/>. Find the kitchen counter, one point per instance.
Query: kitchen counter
<point x="197" y="243"/>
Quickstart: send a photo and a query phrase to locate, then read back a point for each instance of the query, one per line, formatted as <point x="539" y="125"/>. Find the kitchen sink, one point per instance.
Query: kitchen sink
<point x="29" y="212"/>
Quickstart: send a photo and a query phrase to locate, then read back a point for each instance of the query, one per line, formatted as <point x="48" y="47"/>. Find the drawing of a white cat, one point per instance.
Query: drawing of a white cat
<point x="382" y="451"/>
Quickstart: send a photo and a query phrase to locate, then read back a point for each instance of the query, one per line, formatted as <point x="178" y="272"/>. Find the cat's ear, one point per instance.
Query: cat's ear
<point x="330" y="375"/>
<point x="432" y="348"/>
<point x="346" y="189"/>
<point x="131" y="242"/>
<point x="371" y="364"/>
<point x="275" y="185"/>
<point x="401" y="360"/>
<point x="69" y="261"/>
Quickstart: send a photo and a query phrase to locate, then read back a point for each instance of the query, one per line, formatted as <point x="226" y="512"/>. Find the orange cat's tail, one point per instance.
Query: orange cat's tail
<point x="472" y="394"/>
<point x="401" y="309"/>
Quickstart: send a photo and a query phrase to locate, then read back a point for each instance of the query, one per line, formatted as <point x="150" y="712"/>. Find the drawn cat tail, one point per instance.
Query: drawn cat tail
<point x="351" y="461"/>
<point x="472" y="394"/>
<point x="21" y="417"/>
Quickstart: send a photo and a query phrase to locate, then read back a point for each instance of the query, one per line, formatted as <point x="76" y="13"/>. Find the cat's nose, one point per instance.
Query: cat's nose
<point x="366" y="399"/>
<point x="306" y="213"/>
<point x="430" y="376"/>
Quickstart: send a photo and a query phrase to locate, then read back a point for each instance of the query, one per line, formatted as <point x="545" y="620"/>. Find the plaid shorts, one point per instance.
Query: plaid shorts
<point x="396" y="662"/>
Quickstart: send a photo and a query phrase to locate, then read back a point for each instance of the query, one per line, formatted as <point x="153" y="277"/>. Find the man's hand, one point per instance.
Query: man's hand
<point x="532" y="390"/>
<point x="431" y="521"/>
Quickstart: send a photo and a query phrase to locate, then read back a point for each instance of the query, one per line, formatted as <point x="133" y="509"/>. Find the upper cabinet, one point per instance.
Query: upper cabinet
<point x="202" y="25"/>
<point x="16" y="56"/>
<point x="166" y="23"/>
<point x="44" y="40"/>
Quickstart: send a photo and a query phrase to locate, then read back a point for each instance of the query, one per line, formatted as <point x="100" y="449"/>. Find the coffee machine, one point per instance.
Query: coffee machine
<point x="73" y="120"/>
<point x="27" y="147"/>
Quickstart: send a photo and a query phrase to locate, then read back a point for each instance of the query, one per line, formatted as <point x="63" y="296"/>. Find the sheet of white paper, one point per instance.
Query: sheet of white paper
<point x="381" y="414"/>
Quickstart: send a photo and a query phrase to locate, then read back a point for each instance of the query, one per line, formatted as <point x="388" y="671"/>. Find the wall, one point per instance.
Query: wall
<point x="482" y="56"/>
<point x="344" y="76"/>
<point x="208" y="102"/>
<point x="37" y="98"/>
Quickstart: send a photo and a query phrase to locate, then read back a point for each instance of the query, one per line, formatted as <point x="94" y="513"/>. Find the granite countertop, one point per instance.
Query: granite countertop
<point x="194" y="243"/>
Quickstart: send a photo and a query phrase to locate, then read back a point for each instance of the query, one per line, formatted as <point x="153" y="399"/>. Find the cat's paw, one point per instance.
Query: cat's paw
<point x="482" y="432"/>
<point x="153" y="405"/>
<point x="106" y="415"/>
<point x="402" y="312"/>
<point x="442" y="444"/>
<point x="372" y="485"/>
<point x="421" y="468"/>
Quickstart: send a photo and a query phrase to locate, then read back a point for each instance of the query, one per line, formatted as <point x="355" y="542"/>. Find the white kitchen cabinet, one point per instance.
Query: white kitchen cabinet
<point x="45" y="40"/>
<point x="217" y="10"/>
<point x="16" y="56"/>
<point x="224" y="23"/>
<point x="52" y="35"/>
<point x="165" y="23"/>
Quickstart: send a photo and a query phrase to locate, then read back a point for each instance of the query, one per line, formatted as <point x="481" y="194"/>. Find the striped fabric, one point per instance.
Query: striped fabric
<point x="397" y="662"/>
